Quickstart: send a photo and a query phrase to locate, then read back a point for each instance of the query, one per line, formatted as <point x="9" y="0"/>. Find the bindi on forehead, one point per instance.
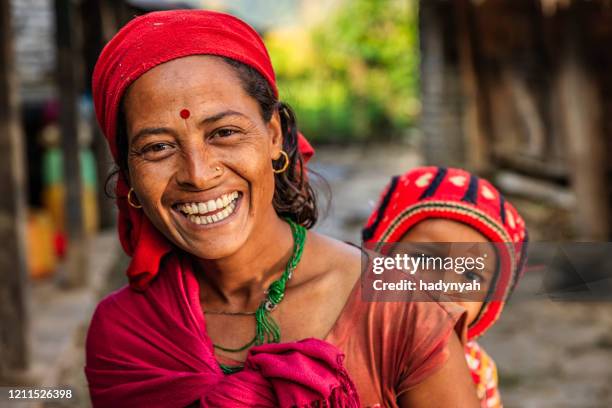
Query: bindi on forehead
<point x="185" y="113"/>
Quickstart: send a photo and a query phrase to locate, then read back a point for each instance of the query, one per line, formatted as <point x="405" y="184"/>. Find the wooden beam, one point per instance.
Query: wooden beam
<point x="14" y="349"/>
<point x="69" y="67"/>
<point x="580" y="112"/>
<point x="441" y="119"/>
<point x="475" y="112"/>
<point x="100" y="26"/>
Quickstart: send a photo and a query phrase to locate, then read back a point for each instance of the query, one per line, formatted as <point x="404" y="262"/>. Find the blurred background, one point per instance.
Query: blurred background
<point x="519" y="92"/>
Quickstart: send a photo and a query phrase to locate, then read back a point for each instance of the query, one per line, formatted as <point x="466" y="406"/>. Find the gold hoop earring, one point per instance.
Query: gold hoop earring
<point x="282" y="169"/>
<point x="129" y="199"/>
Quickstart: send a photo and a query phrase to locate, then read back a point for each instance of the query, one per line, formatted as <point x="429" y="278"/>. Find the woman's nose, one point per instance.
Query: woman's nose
<point x="198" y="169"/>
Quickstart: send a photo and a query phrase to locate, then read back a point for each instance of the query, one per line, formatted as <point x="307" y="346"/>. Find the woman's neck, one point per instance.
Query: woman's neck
<point x="238" y="282"/>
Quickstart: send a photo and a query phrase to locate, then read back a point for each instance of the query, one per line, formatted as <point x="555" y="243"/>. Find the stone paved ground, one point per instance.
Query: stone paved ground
<point x="550" y="354"/>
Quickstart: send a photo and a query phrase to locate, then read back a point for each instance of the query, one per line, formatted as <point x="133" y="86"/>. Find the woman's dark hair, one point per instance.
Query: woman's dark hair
<point x="294" y="197"/>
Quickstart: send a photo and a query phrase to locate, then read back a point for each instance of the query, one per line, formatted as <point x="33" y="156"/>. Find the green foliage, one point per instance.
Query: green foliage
<point x="355" y="77"/>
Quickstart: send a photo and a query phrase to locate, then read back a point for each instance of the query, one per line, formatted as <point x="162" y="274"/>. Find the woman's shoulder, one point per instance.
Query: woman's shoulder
<point x="330" y="263"/>
<point x="115" y="301"/>
<point x="108" y="311"/>
<point x="334" y="251"/>
<point x="115" y="312"/>
<point x="405" y="320"/>
<point x="108" y="317"/>
<point x="401" y="343"/>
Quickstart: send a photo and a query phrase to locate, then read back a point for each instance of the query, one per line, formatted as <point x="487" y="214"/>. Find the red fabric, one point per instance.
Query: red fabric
<point x="141" y="45"/>
<point x="59" y="241"/>
<point x="158" y="37"/>
<point x="434" y="192"/>
<point x="151" y="350"/>
<point x="305" y="148"/>
<point x="484" y="375"/>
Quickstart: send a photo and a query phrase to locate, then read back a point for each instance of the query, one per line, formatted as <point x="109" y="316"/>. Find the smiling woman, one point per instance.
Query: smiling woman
<point x="232" y="303"/>
<point x="226" y="148"/>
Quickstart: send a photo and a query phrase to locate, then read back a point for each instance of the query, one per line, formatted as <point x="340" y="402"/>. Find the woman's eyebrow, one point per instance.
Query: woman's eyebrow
<point x="221" y="115"/>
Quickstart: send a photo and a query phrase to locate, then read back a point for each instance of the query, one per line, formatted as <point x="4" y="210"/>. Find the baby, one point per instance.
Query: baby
<point x="448" y="205"/>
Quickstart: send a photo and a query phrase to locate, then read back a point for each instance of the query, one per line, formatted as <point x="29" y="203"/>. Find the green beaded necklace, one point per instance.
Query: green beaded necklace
<point x="267" y="330"/>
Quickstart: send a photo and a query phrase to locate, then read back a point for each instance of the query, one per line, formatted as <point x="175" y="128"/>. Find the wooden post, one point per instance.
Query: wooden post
<point x="586" y="149"/>
<point x="476" y="114"/>
<point x="101" y="26"/>
<point x="441" y="119"/>
<point x="14" y="345"/>
<point x="69" y="65"/>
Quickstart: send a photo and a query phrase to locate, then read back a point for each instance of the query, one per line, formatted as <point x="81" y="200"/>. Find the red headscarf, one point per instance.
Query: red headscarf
<point x="455" y="194"/>
<point x="141" y="45"/>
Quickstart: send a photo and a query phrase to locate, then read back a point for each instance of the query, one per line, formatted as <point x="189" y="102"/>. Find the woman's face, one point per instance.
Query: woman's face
<point x="438" y="230"/>
<point x="200" y="155"/>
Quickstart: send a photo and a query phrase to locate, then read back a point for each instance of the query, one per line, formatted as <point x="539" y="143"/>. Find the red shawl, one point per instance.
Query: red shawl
<point x="149" y="348"/>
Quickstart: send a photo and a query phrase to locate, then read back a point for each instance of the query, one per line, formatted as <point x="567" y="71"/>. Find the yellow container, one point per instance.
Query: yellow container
<point x="53" y="201"/>
<point x="40" y="243"/>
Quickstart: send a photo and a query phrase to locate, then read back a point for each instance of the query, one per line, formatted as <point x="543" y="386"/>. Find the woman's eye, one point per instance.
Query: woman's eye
<point x="157" y="147"/>
<point x="473" y="276"/>
<point x="157" y="151"/>
<point x="225" y="132"/>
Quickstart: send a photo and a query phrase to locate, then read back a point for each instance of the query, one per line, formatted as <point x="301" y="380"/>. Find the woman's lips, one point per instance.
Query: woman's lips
<point x="211" y="211"/>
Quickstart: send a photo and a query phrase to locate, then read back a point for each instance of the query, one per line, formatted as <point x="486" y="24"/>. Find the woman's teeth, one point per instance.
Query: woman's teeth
<point x="210" y="211"/>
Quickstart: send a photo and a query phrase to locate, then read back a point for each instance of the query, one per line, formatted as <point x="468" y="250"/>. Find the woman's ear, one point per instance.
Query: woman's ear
<point x="276" y="135"/>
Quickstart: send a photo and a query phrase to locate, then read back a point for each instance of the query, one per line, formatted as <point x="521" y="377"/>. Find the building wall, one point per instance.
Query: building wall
<point x="34" y="31"/>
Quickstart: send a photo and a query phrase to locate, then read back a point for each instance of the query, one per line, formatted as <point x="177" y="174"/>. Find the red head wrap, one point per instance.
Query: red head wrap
<point x="455" y="194"/>
<point x="141" y="45"/>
